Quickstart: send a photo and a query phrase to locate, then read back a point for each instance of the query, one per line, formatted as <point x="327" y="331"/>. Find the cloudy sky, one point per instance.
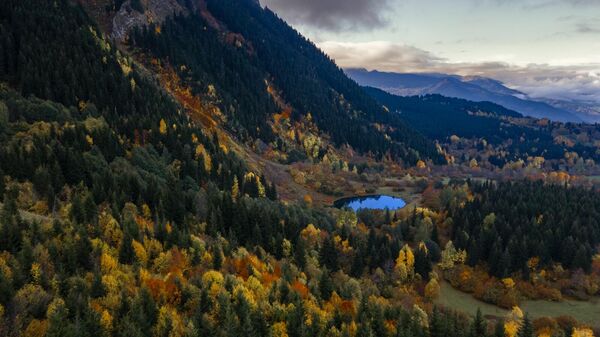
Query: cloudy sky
<point x="542" y="47"/>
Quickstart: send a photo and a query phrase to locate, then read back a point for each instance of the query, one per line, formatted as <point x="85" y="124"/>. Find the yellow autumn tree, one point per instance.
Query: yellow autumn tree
<point x="201" y="151"/>
<point x="308" y="199"/>
<point x="279" y="329"/>
<point x="111" y="230"/>
<point x="107" y="263"/>
<point x="432" y="289"/>
<point x="140" y="252"/>
<point x="36" y="273"/>
<point x="36" y="328"/>
<point x="513" y="322"/>
<point x="106" y="320"/>
<point x="162" y="127"/>
<point x="235" y="188"/>
<point x="451" y="256"/>
<point x="406" y="257"/>
<point x="169" y="323"/>
<point x="582" y="332"/>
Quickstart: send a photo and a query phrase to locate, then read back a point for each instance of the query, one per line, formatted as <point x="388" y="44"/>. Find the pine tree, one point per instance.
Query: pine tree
<point x="126" y="253"/>
<point x="526" y="329"/>
<point x="217" y="257"/>
<point x="358" y="265"/>
<point x="325" y="284"/>
<point x="499" y="329"/>
<point x="422" y="263"/>
<point x="2" y="183"/>
<point x="328" y="254"/>
<point x="58" y="323"/>
<point x="90" y="209"/>
<point x="77" y="213"/>
<point x="479" y="326"/>
<point x="435" y="237"/>
<point x="436" y="327"/>
<point x="97" y="289"/>
<point x="10" y="222"/>
<point x="295" y="322"/>
<point x="300" y="254"/>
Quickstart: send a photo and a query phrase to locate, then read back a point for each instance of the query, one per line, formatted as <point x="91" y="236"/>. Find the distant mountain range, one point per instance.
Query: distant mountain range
<point x="475" y="88"/>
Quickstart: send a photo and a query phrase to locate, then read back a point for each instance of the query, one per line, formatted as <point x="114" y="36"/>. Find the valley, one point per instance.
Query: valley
<point x="181" y="168"/>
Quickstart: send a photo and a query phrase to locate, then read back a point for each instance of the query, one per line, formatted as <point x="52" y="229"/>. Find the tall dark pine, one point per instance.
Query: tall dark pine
<point x="329" y="255"/>
<point x="526" y="329"/>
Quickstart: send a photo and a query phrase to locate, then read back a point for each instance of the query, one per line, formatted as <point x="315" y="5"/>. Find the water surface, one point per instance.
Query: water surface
<point x="380" y="202"/>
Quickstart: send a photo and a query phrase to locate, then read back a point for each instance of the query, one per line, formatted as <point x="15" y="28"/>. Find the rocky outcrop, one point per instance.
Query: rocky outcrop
<point x="155" y="11"/>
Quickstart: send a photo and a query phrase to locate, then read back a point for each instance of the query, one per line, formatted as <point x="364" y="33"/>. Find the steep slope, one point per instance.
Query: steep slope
<point x="245" y="53"/>
<point x="469" y="88"/>
<point x="99" y="130"/>
<point x="441" y="118"/>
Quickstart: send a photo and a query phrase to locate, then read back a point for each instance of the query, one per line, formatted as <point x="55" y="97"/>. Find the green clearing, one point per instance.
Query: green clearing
<point x="585" y="312"/>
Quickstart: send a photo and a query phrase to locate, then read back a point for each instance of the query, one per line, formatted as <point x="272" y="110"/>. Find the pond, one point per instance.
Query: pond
<point x="380" y="202"/>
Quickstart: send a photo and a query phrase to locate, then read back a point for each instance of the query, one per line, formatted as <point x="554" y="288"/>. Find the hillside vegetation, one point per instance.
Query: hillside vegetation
<point x="138" y="197"/>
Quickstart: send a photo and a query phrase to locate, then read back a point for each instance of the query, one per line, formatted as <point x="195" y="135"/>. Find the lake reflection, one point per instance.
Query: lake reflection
<point x="380" y="202"/>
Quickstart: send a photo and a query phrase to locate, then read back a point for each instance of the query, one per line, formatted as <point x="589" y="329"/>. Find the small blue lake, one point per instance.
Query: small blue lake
<point x="380" y="202"/>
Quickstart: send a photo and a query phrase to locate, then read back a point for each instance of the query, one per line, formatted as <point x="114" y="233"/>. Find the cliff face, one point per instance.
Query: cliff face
<point x="155" y="11"/>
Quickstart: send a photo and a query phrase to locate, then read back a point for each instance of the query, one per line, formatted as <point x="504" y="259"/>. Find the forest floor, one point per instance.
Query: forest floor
<point x="586" y="312"/>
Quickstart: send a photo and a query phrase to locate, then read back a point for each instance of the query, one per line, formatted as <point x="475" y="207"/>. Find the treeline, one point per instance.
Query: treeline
<point x="268" y="49"/>
<point x="508" y="223"/>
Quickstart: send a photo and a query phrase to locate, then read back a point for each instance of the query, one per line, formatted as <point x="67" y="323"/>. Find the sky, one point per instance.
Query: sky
<point x="545" y="48"/>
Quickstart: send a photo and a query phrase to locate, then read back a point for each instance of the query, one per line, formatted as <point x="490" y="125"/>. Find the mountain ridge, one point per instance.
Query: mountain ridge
<point x="473" y="88"/>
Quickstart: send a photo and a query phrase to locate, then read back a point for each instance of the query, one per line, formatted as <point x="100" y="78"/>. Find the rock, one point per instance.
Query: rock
<point x="156" y="11"/>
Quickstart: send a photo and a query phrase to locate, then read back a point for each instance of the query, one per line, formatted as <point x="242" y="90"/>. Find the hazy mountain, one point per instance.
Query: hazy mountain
<point x="470" y="88"/>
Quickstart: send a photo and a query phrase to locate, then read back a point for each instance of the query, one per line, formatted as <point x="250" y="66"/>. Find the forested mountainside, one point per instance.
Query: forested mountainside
<point x="440" y="117"/>
<point x="495" y="134"/>
<point x="259" y="52"/>
<point x="133" y="204"/>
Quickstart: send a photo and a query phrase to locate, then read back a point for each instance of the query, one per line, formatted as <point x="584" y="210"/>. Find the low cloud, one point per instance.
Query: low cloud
<point x="333" y="15"/>
<point x="540" y="4"/>
<point x="578" y="82"/>
<point x="380" y="55"/>
<point x="588" y="26"/>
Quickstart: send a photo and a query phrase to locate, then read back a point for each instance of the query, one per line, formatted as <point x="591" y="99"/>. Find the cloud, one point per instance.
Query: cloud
<point x="580" y="82"/>
<point x="588" y="25"/>
<point x="588" y="28"/>
<point x="541" y="4"/>
<point x="333" y="15"/>
<point x="381" y="55"/>
<point x="581" y="24"/>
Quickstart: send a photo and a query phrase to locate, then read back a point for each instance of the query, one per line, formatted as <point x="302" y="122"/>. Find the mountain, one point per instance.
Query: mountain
<point x="258" y="66"/>
<point x="470" y="88"/>
<point x="587" y="110"/>
<point x="442" y="118"/>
